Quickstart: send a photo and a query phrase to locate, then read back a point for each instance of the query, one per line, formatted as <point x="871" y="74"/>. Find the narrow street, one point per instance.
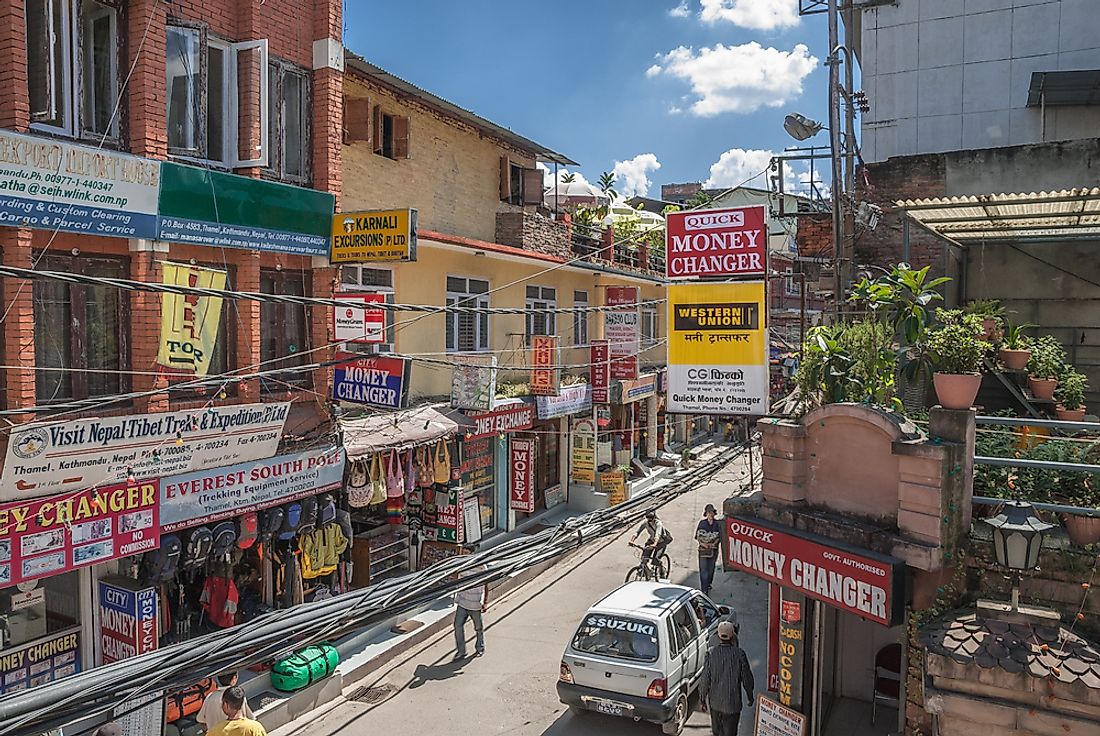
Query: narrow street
<point x="511" y="690"/>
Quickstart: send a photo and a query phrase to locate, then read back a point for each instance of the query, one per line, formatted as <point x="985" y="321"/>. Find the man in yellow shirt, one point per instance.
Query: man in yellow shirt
<point x="236" y="724"/>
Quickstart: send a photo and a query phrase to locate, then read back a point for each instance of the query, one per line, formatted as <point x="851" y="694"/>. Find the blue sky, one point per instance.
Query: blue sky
<point x="688" y="82"/>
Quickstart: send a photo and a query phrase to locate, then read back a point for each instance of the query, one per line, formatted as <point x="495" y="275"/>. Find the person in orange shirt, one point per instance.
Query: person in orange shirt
<point x="236" y="724"/>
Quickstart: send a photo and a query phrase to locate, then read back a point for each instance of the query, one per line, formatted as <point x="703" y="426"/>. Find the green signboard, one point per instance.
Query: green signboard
<point x="207" y="207"/>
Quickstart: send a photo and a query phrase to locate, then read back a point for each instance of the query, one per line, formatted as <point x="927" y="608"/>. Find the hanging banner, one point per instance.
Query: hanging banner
<point x="707" y="243"/>
<point x="600" y="370"/>
<point x="127" y="619"/>
<point x="545" y="377"/>
<point x="40" y="661"/>
<point x="356" y="322"/>
<point x="521" y="473"/>
<point x="620" y="329"/>
<point x="373" y="381"/>
<point x="570" y="400"/>
<point x="52" y="457"/>
<point x="582" y="461"/>
<point x="474" y="382"/>
<point x="374" y="236"/>
<point x="189" y="324"/>
<point x="717" y="349"/>
<point x="61" y="533"/>
<point x="792" y="647"/>
<point x="449" y="523"/>
<point x="223" y="493"/>
<point x="863" y="583"/>
<point x="512" y="418"/>
<point x="627" y="392"/>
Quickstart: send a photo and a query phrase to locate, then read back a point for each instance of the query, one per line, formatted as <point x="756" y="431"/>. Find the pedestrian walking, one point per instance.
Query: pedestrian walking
<point x="236" y="723"/>
<point x="210" y="714"/>
<point x="470" y="604"/>
<point x="708" y="534"/>
<point x="725" y="674"/>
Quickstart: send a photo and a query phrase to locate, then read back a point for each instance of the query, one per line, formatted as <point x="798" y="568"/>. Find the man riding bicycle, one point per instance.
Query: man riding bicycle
<point x="659" y="537"/>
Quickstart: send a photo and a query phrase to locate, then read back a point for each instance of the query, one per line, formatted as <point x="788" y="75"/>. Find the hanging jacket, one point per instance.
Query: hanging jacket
<point x="219" y="599"/>
<point x="441" y="462"/>
<point x="321" y="550"/>
<point x="395" y="479"/>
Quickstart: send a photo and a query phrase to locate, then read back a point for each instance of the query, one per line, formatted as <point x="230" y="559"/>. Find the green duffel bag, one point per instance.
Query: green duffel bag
<point x="304" y="667"/>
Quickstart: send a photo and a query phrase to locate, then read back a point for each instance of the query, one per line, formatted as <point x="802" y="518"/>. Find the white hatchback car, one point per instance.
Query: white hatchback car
<point x="638" y="653"/>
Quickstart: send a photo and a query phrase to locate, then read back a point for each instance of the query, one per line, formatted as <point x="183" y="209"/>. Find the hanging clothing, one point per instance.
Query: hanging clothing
<point x="395" y="479"/>
<point x="410" y="472"/>
<point x="293" y="593"/>
<point x="321" y="550"/>
<point x="441" y="462"/>
<point x="219" y="599"/>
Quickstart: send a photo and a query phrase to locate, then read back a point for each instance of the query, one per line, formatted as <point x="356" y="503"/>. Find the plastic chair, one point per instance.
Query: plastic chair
<point x="887" y="678"/>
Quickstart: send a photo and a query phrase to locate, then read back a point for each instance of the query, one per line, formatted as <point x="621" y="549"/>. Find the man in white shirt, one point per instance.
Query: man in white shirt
<point x="470" y="604"/>
<point x="211" y="713"/>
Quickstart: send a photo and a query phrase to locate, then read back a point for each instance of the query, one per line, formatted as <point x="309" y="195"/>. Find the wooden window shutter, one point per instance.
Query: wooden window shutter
<point x="376" y="128"/>
<point x="505" y="179"/>
<point x="357" y="119"/>
<point x="532" y="186"/>
<point x="400" y="137"/>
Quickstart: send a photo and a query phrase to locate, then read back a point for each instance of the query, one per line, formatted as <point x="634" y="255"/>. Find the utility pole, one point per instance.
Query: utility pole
<point x="835" y="147"/>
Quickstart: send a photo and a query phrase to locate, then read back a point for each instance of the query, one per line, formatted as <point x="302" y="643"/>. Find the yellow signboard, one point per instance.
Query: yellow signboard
<point x="374" y="236"/>
<point x="717" y="348"/>
<point x="189" y="324"/>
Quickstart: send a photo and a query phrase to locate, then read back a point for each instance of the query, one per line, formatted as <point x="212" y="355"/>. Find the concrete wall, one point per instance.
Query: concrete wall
<point x="944" y="75"/>
<point x="452" y="174"/>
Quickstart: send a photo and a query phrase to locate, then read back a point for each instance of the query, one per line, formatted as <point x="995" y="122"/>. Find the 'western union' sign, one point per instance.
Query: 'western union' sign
<point x="374" y="236"/>
<point x="716" y="317"/>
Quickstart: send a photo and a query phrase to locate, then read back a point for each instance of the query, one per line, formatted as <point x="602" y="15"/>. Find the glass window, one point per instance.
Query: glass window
<point x="617" y="636"/>
<point x="541" y="321"/>
<point x="705" y="612"/>
<point x="47" y="61"/>
<point x="380" y="281"/>
<point x="99" y="48"/>
<point x="685" y="625"/>
<point x="467" y="332"/>
<point x="217" y="101"/>
<point x="580" y="319"/>
<point x="283" y="330"/>
<point x="182" y="62"/>
<point x="295" y="142"/>
<point x="57" y="610"/>
<point x="649" y="326"/>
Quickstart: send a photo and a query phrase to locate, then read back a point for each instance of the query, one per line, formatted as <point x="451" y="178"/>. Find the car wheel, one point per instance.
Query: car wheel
<point x="679" y="717"/>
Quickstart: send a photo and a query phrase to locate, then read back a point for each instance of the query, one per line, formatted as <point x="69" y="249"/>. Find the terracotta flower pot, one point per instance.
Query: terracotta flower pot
<point x="1042" y="388"/>
<point x="1014" y="360"/>
<point x="989" y="329"/>
<point x="1082" y="530"/>
<point x="957" y="390"/>
<point x="1070" y="415"/>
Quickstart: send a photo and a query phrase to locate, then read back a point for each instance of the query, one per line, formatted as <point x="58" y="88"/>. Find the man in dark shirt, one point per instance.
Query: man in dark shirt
<point x="725" y="673"/>
<point x="708" y="534"/>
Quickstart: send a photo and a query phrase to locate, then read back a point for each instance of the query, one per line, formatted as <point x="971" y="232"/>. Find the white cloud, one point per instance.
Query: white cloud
<point x="675" y="110"/>
<point x="738" y="79"/>
<point x="740" y="167"/>
<point x="548" y="175"/>
<point x="681" y="10"/>
<point x="632" y="175"/>
<point x="760" y="15"/>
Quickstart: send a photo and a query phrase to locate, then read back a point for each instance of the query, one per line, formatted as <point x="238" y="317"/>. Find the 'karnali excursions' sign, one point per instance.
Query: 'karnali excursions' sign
<point x="716" y="243"/>
<point x="52" y="457"/>
<point x="866" y="584"/>
<point x="374" y="236"/>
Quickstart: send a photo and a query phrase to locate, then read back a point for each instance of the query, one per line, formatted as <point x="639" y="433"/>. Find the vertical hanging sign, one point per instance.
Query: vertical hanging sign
<point x="545" y="377"/>
<point x="521" y="463"/>
<point x="620" y="328"/>
<point x="188" y="323"/>
<point x="600" y="371"/>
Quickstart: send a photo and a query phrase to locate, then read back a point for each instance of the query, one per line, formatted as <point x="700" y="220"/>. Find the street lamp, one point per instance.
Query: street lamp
<point x="1017" y="540"/>
<point x="801" y="127"/>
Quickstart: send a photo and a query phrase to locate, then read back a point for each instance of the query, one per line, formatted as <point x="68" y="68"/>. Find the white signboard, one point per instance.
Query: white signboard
<point x="354" y="321"/>
<point x="141" y="715"/>
<point x="570" y="400"/>
<point x="474" y="382"/>
<point x="222" y="493"/>
<point x="49" y="184"/>
<point x="471" y="519"/>
<point x="53" y="457"/>
<point x="773" y="719"/>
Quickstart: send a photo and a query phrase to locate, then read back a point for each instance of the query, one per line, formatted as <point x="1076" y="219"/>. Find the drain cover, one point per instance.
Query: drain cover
<point x="372" y="695"/>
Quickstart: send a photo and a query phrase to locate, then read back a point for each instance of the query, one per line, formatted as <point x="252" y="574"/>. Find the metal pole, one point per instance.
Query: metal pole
<point x="801" y="316"/>
<point x="837" y="183"/>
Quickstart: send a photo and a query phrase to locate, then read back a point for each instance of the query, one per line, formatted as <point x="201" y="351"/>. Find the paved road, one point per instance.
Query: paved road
<point x="510" y="690"/>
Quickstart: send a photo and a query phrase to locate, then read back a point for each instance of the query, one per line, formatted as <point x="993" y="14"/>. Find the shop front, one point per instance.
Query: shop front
<point x="555" y="445"/>
<point x="632" y="430"/>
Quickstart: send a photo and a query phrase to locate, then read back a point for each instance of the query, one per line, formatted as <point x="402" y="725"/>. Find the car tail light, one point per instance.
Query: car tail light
<point x="566" y="675"/>
<point x="656" y="689"/>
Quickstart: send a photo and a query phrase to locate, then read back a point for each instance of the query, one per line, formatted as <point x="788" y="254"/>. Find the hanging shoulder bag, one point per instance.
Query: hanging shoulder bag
<point x="359" y="487"/>
<point x="377" y="481"/>
<point x="442" y="462"/>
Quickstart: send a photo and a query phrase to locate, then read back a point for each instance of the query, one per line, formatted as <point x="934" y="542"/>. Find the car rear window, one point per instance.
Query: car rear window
<point x="617" y="636"/>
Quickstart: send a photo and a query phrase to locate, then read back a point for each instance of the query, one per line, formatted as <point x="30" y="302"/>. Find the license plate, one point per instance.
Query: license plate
<point x="610" y="708"/>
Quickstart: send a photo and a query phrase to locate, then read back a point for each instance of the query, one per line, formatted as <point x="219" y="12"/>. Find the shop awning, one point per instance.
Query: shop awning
<point x="369" y="435"/>
<point x="1069" y="214"/>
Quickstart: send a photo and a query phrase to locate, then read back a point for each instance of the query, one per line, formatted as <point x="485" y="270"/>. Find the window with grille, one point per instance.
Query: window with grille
<point x="540" y="320"/>
<point x="378" y="281"/>
<point x="580" y="319"/>
<point x="467" y="332"/>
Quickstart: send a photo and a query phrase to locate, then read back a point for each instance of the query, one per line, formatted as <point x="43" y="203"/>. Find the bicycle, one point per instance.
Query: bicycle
<point x="648" y="568"/>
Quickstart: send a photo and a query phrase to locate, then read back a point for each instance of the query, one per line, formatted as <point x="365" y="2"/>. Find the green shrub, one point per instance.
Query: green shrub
<point x="956" y="346"/>
<point x="1047" y="357"/>
<point x="1071" y="389"/>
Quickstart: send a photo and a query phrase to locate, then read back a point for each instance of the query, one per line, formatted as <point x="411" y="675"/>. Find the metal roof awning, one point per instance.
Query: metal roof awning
<point x="1070" y="214"/>
<point x="1057" y="88"/>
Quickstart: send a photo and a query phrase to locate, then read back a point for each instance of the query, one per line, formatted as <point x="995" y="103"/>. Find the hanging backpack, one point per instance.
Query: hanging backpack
<point x="161" y="565"/>
<point x="292" y="515"/>
<point x="248" y="529"/>
<point x="187" y="701"/>
<point x="225" y="538"/>
<point x="200" y="543"/>
<point x="308" y="522"/>
<point x="271" y="523"/>
<point x="326" y="509"/>
<point x="305" y="667"/>
<point x="441" y="463"/>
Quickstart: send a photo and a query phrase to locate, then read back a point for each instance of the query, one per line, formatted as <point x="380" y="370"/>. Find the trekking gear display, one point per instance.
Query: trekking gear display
<point x="247" y="530"/>
<point x="304" y="667"/>
<point x="200" y="543"/>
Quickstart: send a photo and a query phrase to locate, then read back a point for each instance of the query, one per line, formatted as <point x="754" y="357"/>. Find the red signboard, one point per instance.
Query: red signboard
<point x="545" y="377"/>
<point x="50" y="535"/>
<point x="621" y="328"/>
<point x="600" y="371"/>
<point x="521" y="464"/>
<point x="706" y="243"/>
<point x="870" y="586"/>
<point x="509" y="419"/>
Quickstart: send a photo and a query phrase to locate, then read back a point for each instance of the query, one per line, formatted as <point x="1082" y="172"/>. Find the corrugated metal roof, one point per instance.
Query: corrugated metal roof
<point x="1069" y="213"/>
<point x="377" y="73"/>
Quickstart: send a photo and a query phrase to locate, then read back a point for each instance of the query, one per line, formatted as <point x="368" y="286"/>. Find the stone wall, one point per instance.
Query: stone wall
<point x="534" y="232"/>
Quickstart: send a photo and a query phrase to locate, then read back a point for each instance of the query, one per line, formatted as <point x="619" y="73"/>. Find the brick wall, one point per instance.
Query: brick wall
<point x="814" y="237"/>
<point x="534" y="232"/>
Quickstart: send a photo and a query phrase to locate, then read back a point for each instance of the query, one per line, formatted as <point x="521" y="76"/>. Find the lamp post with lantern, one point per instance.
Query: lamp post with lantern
<point x="1017" y="541"/>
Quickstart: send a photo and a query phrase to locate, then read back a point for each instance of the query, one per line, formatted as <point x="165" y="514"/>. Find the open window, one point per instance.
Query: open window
<point x="519" y="185"/>
<point x="389" y="134"/>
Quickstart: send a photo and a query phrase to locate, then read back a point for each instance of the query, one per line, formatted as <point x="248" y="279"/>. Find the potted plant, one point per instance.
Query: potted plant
<point x="991" y="312"/>
<point x="1014" y="352"/>
<point x="1071" y="396"/>
<point x="1044" y="364"/>
<point x="956" y="350"/>
<point x="1068" y="487"/>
